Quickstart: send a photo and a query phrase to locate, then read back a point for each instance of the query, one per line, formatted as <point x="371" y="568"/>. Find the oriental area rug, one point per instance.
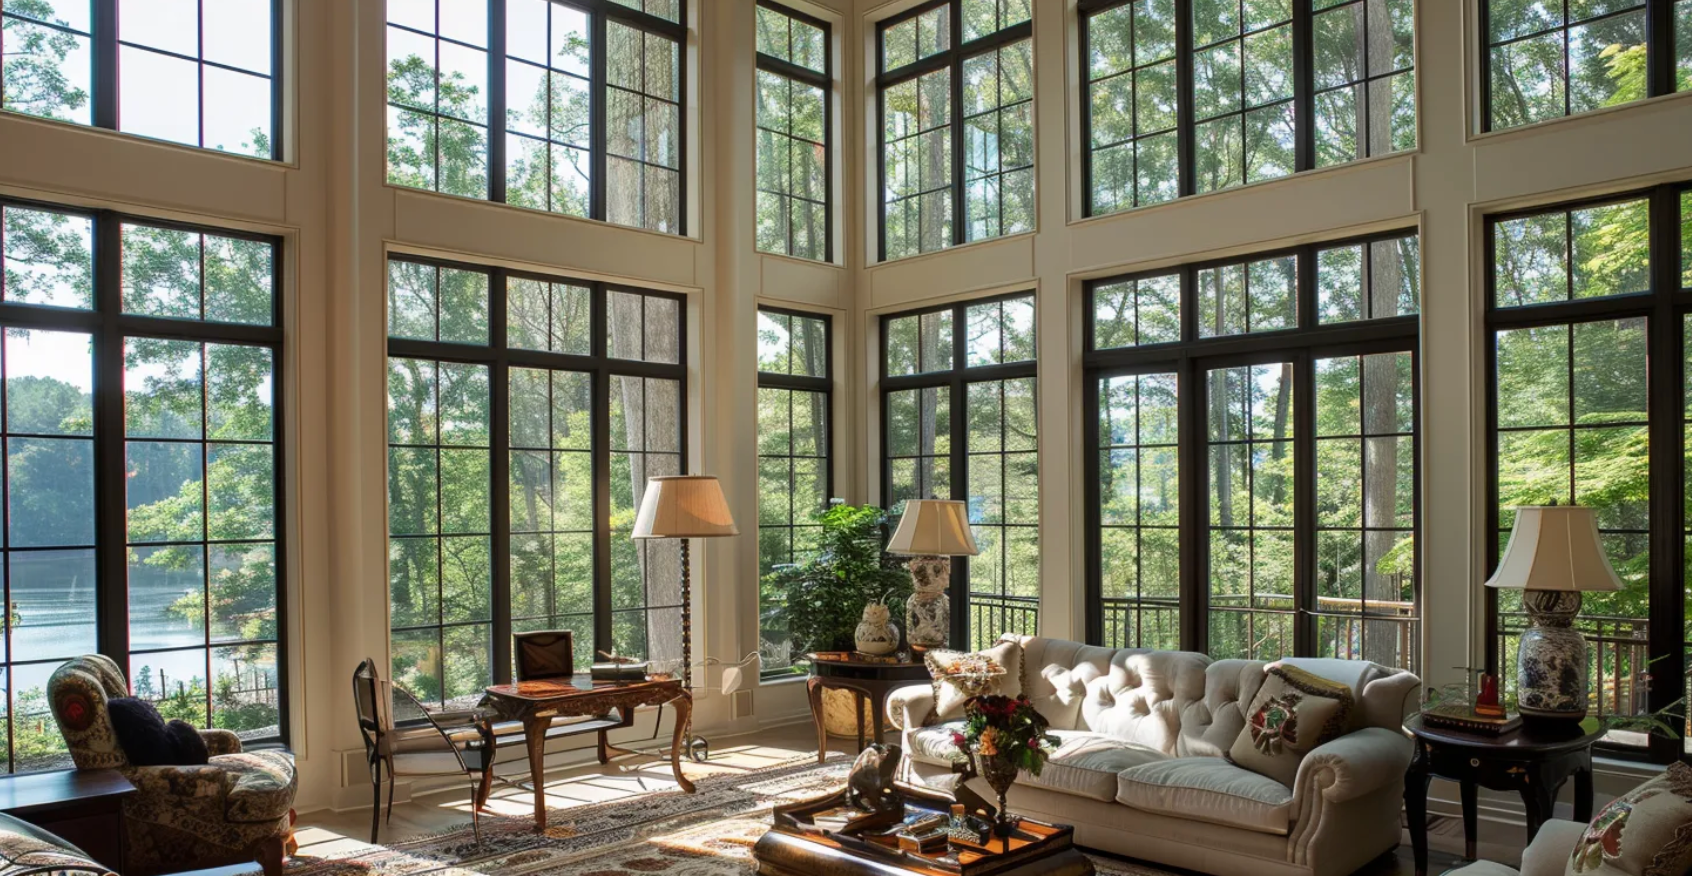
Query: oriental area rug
<point x="709" y="833"/>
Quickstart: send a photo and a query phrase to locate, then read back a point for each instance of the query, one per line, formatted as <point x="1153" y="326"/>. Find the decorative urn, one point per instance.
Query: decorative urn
<point x="876" y="633"/>
<point x="928" y="612"/>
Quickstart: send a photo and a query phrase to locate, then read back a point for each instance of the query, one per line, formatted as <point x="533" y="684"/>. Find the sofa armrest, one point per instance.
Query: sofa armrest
<point x="221" y="742"/>
<point x="1548" y="854"/>
<point x="1351" y="766"/>
<point x="908" y="707"/>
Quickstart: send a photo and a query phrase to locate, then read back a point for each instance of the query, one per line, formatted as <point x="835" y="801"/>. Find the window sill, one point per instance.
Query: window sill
<point x="544" y="214"/>
<point x="973" y="244"/>
<point x="1597" y="116"/>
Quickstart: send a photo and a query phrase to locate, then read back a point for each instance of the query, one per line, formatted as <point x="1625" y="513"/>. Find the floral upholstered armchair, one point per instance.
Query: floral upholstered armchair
<point x="237" y="808"/>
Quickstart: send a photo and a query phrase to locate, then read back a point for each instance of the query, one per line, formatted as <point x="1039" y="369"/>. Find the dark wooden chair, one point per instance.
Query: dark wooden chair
<point x="544" y="654"/>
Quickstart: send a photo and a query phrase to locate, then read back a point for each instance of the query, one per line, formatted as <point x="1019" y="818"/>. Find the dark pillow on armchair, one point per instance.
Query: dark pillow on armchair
<point x="189" y="747"/>
<point x="140" y="729"/>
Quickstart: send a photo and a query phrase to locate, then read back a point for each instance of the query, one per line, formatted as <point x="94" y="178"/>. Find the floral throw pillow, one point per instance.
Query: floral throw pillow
<point x="1645" y="832"/>
<point x="959" y="675"/>
<point x="1293" y="712"/>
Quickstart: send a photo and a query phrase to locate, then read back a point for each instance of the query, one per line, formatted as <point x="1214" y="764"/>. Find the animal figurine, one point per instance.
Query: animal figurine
<point x="869" y="786"/>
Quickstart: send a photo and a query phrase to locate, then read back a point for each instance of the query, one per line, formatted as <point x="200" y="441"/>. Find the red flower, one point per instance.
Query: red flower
<point x="958" y="739"/>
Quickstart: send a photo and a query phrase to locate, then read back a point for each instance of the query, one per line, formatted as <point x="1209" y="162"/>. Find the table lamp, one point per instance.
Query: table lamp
<point x="1554" y="555"/>
<point x="685" y="507"/>
<point x="931" y="532"/>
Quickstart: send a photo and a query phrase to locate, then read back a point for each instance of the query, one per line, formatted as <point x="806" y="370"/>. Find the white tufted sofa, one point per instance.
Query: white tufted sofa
<point x="1141" y="770"/>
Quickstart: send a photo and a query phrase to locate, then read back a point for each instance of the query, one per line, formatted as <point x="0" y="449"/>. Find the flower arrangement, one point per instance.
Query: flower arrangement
<point x="1007" y="729"/>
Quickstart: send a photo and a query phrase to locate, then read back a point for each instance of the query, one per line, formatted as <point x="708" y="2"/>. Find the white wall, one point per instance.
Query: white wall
<point x="339" y="220"/>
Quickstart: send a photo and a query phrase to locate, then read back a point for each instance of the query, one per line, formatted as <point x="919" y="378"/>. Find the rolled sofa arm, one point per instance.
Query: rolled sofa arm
<point x="221" y="742"/>
<point x="1353" y="765"/>
<point x="908" y="707"/>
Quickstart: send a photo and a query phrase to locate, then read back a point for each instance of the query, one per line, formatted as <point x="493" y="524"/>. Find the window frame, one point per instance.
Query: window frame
<point x="1659" y="59"/>
<point x="109" y="328"/>
<point x="823" y="386"/>
<point x="104" y="86"/>
<point x="955" y="380"/>
<point x="825" y="82"/>
<point x="1302" y="74"/>
<point x="599" y="13"/>
<point x="1191" y="359"/>
<point x="1664" y="306"/>
<point x="952" y="59"/>
<point x="499" y="358"/>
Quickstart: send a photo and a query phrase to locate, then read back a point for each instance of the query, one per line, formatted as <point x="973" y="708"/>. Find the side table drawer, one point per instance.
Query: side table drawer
<point x="1495" y="773"/>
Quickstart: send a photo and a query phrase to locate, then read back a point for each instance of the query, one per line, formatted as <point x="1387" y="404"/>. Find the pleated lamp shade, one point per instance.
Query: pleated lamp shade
<point x="684" y="506"/>
<point x="1555" y="547"/>
<point x="934" y="528"/>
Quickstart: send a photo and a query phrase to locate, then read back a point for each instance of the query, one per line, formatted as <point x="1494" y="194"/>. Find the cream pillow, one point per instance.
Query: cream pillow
<point x="956" y="677"/>
<point x="1645" y="832"/>
<point x="1293" y="712"/>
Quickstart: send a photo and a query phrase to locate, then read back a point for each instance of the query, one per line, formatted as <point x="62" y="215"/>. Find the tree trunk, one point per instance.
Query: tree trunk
<point x="1380" y="480"/>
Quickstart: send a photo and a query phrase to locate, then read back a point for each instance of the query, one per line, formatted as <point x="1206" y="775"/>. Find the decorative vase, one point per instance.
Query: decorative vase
<point x="928" y="613"/>
<point x="999" y="773"/>
<point x="876" y="633"/>
<point x="1551" y="659"/>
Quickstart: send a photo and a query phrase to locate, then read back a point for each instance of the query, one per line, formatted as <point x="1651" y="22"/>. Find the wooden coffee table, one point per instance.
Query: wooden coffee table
<point x="789" y="850"/>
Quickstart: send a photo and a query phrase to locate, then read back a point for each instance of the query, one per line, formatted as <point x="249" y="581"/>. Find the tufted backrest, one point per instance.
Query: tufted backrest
<point x="1181" y="702"/>
<point x="1130" y="693"/>
<point x="1209" y="727"/>
<point x="78" y="691"/>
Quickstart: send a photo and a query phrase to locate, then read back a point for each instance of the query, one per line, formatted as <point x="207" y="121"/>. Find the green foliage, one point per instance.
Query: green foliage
<point x="826" y="595"/>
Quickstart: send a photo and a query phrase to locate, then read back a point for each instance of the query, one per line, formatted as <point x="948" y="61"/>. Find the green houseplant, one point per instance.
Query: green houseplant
<point x="822" y="598"/>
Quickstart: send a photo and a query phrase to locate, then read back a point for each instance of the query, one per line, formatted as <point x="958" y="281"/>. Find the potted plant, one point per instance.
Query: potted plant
<point x="823" y="596"/>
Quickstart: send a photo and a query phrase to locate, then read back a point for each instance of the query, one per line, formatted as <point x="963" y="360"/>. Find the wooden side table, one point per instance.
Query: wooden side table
<point x="871" y="679"/>
<point x="82" y="807"/>
<point x="1533" y="761"/>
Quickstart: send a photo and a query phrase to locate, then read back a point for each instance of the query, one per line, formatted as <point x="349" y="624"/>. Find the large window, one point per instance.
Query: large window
<point x="1545" y="60"/>
<point x="525" y="413"/>
<point x="155" y="389"/>
<point x="198" y="72"/>
<point x="1191" y="96"/>
<point x="582" y="99"/>
<point x="1585" y="301"/>
<point x="795" y="459"/>
<point x="795" y="104"/>
<point x="1251" y="466"/>
<point x="958" y="422"/>
<point x="956" y="113"/>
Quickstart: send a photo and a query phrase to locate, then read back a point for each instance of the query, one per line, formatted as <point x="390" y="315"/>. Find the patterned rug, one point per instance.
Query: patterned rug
<point x="709" y="833"/>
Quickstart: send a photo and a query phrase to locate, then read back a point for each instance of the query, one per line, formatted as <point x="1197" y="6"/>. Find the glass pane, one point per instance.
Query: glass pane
<point x="48" y="71"/>
<point x="46" y="258"/>
<point x="49" y="382"/>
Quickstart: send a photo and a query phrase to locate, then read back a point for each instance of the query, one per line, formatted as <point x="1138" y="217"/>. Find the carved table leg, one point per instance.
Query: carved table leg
<point x="814" y="691"/>
<point x="534" y="737"/>
<point x="1416" y="781"/>
<point x="684" y="716"/>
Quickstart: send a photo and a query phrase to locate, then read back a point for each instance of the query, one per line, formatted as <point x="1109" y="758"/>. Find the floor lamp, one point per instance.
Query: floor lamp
<point x="685" y="507"/>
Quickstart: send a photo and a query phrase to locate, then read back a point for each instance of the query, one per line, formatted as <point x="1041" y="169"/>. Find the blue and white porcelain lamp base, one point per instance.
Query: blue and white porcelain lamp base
<point x="1551" y="661"/>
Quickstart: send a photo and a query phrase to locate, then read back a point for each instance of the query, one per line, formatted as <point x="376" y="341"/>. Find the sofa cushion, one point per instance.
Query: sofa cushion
<point x="1087" y="764"/>
<point x="141" y="730"/>
<point x="950" y="694"/>
<point x="934" y="744"/>
<point x="1293" y="712"/>
<point x="1645" y="832"/>
<point x="1208" y="789"/>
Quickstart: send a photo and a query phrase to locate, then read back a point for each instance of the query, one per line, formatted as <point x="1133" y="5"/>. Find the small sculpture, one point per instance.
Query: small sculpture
<point x="876" y="633"/>
<point x="869" y="786"/>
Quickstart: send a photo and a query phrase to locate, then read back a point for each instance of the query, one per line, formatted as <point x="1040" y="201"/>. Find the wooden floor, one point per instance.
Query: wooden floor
<point x="324" y="833"/>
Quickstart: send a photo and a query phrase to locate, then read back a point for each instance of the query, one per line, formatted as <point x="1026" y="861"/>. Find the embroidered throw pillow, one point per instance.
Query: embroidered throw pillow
<point x="1293" y="712"/>
<point x="959" y="675"/>
<point x="1645" y="832"/>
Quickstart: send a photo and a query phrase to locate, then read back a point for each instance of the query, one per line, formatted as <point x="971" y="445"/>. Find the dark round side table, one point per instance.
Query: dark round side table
<point x="1533" y="761"/>
<point x="866" y="678"/>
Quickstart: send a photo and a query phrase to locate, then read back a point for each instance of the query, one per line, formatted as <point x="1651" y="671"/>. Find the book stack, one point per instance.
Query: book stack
<point x="1462" y="716"/>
